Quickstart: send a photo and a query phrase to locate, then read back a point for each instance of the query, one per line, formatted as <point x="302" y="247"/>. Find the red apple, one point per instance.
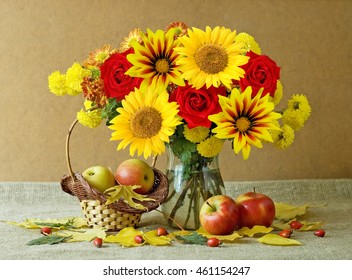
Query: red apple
<point x="219" y="215"/>
<point x="255" y="209"/>
<point x="133" y="172"/>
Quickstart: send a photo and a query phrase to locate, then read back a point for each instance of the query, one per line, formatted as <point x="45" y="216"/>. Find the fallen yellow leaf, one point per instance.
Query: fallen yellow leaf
<point x="62" y="223"/>
<point x="277" y="240"/>
<point x="288" y="212"/>
<point x="82" y="235"/>
<point x="152" y="238"/>
<point x="224" y="238"/>
<point x="254" y="230"/>
<point x="125" y="237"/>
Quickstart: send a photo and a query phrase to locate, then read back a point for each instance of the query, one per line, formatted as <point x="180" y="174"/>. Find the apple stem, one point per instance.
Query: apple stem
<point x="212" y="207"/>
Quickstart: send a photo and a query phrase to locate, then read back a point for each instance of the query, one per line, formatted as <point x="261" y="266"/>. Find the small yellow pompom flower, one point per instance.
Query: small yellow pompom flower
<point x="293" y="118"/>
<point x="210" y="147"/>
<point x="300" y="102"/>
<point x="74" y="78"/>
<point x="92" y="118"/>
<point x="197" y="134"/>
<point x="56" y="82"/>
<point x="249" y="43"/>
<point x="284" y="138"/>
<point x="278" y="93"/>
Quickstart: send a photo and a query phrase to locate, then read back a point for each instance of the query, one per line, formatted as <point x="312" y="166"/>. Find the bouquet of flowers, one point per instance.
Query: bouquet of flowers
<point x="187" y="89"/>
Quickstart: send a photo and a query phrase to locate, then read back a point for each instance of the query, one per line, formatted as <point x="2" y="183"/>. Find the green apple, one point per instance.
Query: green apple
<point x="99" y="177"/>
<point x="135" y="172"/>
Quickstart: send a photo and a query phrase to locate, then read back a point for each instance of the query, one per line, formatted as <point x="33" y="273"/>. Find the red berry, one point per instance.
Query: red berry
<point x="285" y="233"/>
<point x="296" y="225"/>
<point x="319" y="232"/>
<point x="45" y="231"/>
<point x="161" y="231"/>
<point x="213" y="242"/>
<point x="98" y="242"/>
<point x="139" y="239"/>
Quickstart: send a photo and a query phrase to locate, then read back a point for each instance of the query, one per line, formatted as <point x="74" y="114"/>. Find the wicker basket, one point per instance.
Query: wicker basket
<point x="117" y="215"/>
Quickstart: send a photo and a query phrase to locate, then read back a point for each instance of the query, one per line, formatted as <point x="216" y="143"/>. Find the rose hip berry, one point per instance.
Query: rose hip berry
<point x="319" y="233"/>
<point x="138" y="239"/>
<point x="296" y="225"/>
<point x="45" y="230"/>
<point x="98" y="242"/>
<point x="286" y="233"/>
<point x="213" y="242"/>
<point x="161" y="231"/>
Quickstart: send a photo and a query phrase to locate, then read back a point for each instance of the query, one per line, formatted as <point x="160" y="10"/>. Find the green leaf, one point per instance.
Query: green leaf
<point x="50" y="239"/>
<point x="128" y="195"/>
<point x="109" y="111"/>
<point x="193" y="238"/>
<point x="277" y="240"/>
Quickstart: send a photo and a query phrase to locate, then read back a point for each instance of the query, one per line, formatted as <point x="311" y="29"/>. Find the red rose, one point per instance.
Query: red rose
<point x="261" y="72"/>
<point x="116" y="83"/>
<point x="197" y="104"/>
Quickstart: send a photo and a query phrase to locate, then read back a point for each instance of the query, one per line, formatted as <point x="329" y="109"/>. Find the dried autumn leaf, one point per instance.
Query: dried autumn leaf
<point x="83" y="235"/>
<point x="63" y="223"/>
<point x="254" y="230"/>
<point x="224" y="238"/>
<point x="125" y="237"/>
<point x="288" y="212"/>
<point x="306" y="225"/>
<point x="128" y="195"/>
<point x="277" y="240"/>
<point x="152" y="238"/>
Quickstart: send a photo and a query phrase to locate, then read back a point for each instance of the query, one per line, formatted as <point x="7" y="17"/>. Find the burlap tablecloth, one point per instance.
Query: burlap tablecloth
<point x="21" y="200"/>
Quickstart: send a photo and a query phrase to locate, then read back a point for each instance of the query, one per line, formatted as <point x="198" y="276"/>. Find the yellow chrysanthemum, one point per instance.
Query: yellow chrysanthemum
<point x="210" y="147"/>
<point x="57" y="83"/>
<point x="134" y="34"/>
<point x="155" y="60"/>
<point x="197" y="134"/>
<point x="278" y="93"/>
<point x="284" y="138"/>
<point x="246" y="120"/>
<point x="211" y="57"/>
<point x="146" y="120"/>
<point x="88" y="118"/>
<point x="300" y="102"/>
<point x="74" y="78"/>
<point x="293" y="118"/>
<point x="249" y="43"/>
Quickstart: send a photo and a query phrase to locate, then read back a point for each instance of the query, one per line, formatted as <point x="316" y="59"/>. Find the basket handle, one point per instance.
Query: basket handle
<point x="68" y="159"/>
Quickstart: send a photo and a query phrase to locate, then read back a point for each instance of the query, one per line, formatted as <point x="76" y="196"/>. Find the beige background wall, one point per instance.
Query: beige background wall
<point x="310" y="40"/>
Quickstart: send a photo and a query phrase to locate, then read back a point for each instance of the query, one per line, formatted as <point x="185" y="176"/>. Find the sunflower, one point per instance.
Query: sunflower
<point x="246" y="120"/>
<point x="211" y="57"/>
<point x="145" y="122"/>
<point x="155" y="60"/>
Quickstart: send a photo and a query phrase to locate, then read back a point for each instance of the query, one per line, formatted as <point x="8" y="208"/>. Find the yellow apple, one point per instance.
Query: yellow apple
<point x="99" y="177"/>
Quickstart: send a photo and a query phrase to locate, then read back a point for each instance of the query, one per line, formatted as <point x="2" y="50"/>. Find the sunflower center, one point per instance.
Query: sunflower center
<point x="162" y="66"/>
<point x="211" y="58"/>
<point x="243" y="124"/>
<point x="146" y="122"/>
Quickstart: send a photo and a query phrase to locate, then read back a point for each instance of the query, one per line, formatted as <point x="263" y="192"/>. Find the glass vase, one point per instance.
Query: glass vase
<point x="190" y="185"/>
